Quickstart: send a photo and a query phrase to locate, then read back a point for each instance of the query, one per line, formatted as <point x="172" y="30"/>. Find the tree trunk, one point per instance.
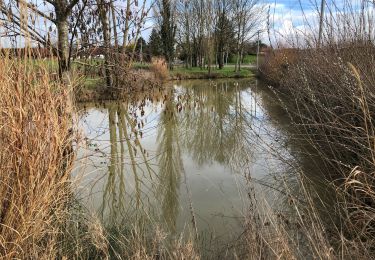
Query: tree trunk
<point x="106" y="38"/>
<point x="238" y="49"/>
<point x="241" y="59"/>
<point x="220" y="56"/>
<point x="126" y="31"/>
<point x="187" y="34"/>
<point x="114" y="25"/>
<point x="237" y="69"/>
<point x="209" y="56"/>
<point x="62" y="45"/>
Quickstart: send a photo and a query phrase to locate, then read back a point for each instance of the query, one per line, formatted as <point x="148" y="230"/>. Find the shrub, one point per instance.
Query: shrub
<point x="276" y="63"/>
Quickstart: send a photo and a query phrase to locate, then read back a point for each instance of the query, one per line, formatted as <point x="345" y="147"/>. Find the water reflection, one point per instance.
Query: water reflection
<point x="217" y="126"/>
<point x="179" y="156"/>
<point x="169" y="161"/>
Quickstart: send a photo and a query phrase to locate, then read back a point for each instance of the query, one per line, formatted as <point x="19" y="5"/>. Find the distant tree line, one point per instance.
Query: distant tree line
<point x="204" y="33"/>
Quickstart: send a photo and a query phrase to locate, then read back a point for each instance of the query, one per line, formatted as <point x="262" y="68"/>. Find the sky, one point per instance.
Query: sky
<point x="284" y="20"/>
<point x="288" y="16"/>
<point x="290" y="19"/>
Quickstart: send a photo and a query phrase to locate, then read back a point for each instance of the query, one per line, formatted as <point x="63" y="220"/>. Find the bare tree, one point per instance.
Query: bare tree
<point x="59" y="17"/>
<point x="103" y="8"/>
<point x="209" y="32"/>
<point x="223" y="29"/>
<point x="248" y="15"/>
<point x="126" y="24"/>
<point x="208" y="29"/>
<point x="184" y="15"/>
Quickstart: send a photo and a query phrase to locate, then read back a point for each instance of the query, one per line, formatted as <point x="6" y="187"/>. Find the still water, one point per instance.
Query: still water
<point x="183" y="156"/>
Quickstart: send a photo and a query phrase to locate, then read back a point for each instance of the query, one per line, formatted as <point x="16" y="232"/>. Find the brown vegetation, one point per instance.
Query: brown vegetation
<point x="331" y="101"/>
<point x="276" y="63"/>
<point x="36" y="160"/>
<point x="160" y="69"/>
<point x="39" y="215"/>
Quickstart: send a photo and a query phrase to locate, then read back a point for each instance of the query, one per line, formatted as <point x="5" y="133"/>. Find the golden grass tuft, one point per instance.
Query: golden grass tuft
<point x="160" y="68"/>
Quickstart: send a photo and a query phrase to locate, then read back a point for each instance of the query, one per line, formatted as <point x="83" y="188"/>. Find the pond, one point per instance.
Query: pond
<point x="184" y="157"/>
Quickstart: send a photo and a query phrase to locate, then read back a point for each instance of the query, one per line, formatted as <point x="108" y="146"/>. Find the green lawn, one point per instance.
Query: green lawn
<point x="52" y="63"/>
<point x="248" y="59"/>
<point x="198" y="73"/>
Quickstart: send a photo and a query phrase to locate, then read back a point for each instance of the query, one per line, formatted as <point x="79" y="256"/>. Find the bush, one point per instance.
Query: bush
<point x="276" y="63"/>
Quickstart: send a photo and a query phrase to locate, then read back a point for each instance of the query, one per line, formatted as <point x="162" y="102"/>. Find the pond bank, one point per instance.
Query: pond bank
<point x="143" y="79"/>
<point x="198" y="73"/>
<point x="94" y="89"/>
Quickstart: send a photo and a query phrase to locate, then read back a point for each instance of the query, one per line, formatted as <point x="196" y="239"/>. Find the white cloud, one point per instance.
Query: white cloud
<point x="295" y="25"/>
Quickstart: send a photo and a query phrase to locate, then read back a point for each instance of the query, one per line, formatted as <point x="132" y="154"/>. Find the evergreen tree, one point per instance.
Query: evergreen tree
<point x="141" y="44"/>
<point x="167" y="31"/>
<point x="155" y="44"/>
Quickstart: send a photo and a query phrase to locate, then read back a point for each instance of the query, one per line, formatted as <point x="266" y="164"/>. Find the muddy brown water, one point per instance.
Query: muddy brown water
<point x="185" y="156"/>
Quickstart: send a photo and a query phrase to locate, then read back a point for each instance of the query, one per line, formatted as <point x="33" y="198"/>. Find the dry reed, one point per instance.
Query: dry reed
<point x="36" y="136"/>
<point x="160" y="68"/>
<point x="331" y="102"/>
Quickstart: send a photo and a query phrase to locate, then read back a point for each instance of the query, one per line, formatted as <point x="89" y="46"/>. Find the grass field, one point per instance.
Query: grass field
<point x="198" y="73"/>
<point x="248" y="59"/>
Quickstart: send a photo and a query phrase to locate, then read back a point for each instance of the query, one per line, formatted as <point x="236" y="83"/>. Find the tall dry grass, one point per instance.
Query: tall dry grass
<point x="160" y="69"/>
<point x="330" y="100"/>
<point x="40" y="218"/>
<point x="329" y="95"/>
<point x="36" y="136"/>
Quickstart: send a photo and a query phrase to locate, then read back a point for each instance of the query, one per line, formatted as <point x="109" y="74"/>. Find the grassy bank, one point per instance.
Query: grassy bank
<point x="179" y="73"/>
<point x="149" y="75"/>
<point x="91" y="86"/>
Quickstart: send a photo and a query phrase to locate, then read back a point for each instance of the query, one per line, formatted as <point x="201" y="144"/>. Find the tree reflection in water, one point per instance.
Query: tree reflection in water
<point x="216" y="124"/>
<point x="152" y="138"/>
<point x="169" y="161"/>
